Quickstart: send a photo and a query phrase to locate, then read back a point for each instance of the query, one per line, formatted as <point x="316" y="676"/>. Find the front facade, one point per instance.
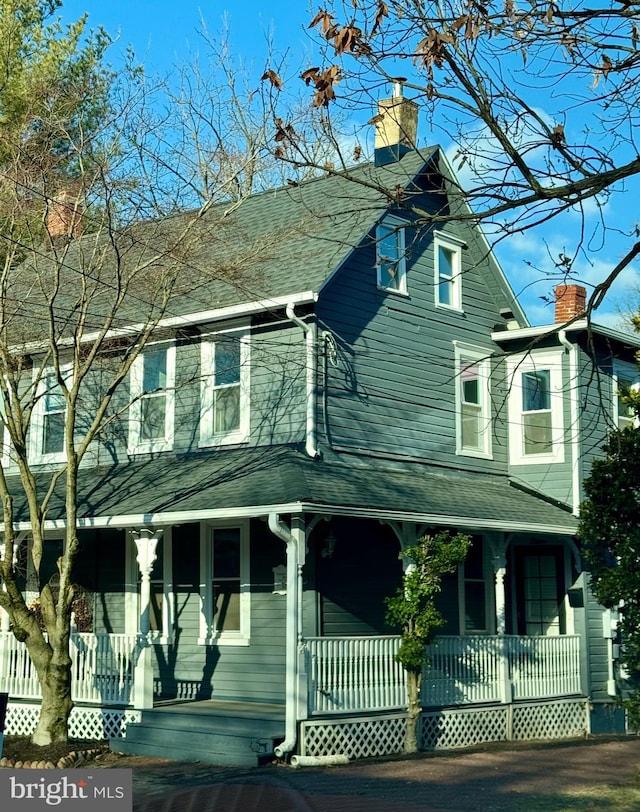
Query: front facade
<point x="244" y="521"/>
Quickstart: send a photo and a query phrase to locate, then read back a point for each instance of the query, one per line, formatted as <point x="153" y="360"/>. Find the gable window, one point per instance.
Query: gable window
<point x="224" y="408"/>
<point x="390" y="256"/>
<point x="624" y="380"/>
<point x="49" y="417"/>
<point x="224" y="557"/>
<point x="151" y="418"/>
<point x="536" y="409"/>
<point x="473" y="402"/>
<point x="448" y="269"/>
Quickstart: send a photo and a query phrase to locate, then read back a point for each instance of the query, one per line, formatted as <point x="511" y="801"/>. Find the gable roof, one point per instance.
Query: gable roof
<point x="272" y="246"/>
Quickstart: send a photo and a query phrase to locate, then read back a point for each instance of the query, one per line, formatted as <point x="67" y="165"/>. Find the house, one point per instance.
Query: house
<point x="375" y="381"/>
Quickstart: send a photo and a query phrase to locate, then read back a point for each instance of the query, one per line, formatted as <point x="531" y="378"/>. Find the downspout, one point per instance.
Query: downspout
<point x="295" y="559"/>
<point x="574" y="417"/>
<point x="311" y="444"/>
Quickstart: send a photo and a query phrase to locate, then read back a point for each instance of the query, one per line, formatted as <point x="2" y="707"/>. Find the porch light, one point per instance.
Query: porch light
<point x="328" y="548"/>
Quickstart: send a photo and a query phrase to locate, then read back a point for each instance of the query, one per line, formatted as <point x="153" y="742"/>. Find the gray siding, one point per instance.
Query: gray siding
<point x="250" y="673"/>
<point x="392" y="388"/>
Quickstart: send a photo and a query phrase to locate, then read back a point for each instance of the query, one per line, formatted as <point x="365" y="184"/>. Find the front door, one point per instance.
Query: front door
<point x="539" y="573"/>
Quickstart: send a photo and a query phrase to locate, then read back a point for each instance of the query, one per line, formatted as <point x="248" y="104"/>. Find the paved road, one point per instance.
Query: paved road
<point x="488" y="780"/>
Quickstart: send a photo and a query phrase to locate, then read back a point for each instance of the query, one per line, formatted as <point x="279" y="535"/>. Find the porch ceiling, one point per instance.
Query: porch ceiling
<point x="172" y="488"/>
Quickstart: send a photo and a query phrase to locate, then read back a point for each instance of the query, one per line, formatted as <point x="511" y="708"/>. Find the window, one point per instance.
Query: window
<point x="224" y="409"/>
<point x="473" y="402"/>
<point x="474" y="612"/>
<point x="152" y="400"/>
<point x="225" y="562"/>
<point x="624" y="379"/>
<point x="448" y="268"/>
<point x="390" y="256"/>
<point x="536" y="409"/>
<point x="47" y="435"/>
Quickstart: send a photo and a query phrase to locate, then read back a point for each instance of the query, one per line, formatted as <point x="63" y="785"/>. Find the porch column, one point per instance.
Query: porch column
<point x="499" y="562"/>
<point x="4" y="621"/>
<point x="146" y="541"/>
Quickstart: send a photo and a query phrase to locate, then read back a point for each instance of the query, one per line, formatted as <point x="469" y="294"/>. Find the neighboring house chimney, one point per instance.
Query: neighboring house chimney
<point x="396" y="126"/>
<point x="571" y="301"/>
<point x="64" y="217"/>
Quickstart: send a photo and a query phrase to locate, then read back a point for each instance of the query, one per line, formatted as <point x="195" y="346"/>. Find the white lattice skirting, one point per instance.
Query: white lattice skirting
<point x="446" y="729"/>
<point x="84" y="723"/>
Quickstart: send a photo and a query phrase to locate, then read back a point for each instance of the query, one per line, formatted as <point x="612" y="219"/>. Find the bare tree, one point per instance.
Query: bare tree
<point x="91" y="264"/>
<point x="541" y="100"/>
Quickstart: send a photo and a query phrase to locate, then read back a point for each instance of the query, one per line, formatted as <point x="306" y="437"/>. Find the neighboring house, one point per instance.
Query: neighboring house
<point x="240" y="535"/>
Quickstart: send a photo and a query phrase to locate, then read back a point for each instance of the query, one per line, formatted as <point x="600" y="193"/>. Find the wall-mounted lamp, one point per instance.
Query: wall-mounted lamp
<point x="328" y="546"/>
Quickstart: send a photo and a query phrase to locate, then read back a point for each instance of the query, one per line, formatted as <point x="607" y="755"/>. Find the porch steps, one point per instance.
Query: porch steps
<point x="215" y="732"/>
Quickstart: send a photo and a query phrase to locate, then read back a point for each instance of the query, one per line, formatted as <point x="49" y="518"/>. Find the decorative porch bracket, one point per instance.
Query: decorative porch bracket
<point x="146" y="541"/>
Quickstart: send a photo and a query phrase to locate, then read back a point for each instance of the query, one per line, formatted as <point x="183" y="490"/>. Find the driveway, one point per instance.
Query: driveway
<point x="518" y="777"/>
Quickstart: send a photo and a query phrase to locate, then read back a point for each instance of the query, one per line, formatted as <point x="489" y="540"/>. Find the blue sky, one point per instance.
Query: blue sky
<point x="164" y="34"/>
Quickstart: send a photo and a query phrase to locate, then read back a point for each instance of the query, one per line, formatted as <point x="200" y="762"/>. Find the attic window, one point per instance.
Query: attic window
<point x="448" y="269"/>
<point x="390" y="256"/>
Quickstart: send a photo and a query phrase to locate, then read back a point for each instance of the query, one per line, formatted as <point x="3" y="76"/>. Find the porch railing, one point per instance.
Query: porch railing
<point x="102" y="668"/>
<point x="361" y="674"/>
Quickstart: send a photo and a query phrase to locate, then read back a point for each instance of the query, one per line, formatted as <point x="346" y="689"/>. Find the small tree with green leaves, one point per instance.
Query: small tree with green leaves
<point x="610" y="534"/>
<point x="413" y="608"/>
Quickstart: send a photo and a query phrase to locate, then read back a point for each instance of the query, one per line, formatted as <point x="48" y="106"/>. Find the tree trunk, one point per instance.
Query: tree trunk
<point x="414" y="709"/>
<point x="56" y="705"/>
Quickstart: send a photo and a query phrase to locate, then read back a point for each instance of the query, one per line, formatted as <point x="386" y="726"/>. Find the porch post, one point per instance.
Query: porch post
<point x="146" y="540"/>
<point x="4" y="622"/>
<point x="499" y="561"/>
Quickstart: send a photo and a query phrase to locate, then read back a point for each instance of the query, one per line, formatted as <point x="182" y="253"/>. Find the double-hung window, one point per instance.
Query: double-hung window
<point x="448" y="270"/>
<point x="49" y="418"/>
<point x="474" y="590"/>
<point x="390" y="256"/>
<point x="151" y="418"/>
<point x="473" y="402"/>
<point x="624" y="381"/>
<point x="224" y="407"/>
<point x="536" y="409"/>
<point x="224" y="557"/>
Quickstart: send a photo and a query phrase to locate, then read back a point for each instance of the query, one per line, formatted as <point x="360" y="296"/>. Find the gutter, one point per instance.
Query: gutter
<point x="295" y="560"/>
<point x="311" y="444"/>
<point x="574" y="417"/>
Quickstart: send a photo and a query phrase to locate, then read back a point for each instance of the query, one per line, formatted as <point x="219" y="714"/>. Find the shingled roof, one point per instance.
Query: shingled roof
<point x="255" y="481"/>
<point x="274" y="244"/>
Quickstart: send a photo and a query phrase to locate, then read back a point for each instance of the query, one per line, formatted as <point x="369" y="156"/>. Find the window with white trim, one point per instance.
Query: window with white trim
<point x="625" y="378"/>
<point x="224" y="404"/>
<point x="536" y="420"/>
<point x="151" y="418"/>
<point x="224" y="561"/>
<point x="390" y="256"/>
<point x="475" y="590"/>
<point x="448" y="270"/>
<point x="473" y="402"/>
<point x="49" y="417"/>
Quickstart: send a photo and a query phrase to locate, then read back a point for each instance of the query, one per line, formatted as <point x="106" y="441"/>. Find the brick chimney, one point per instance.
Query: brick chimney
<point x="64" y="217"/>
<point x="571" y="301"/>
<point x="396" y="126"/>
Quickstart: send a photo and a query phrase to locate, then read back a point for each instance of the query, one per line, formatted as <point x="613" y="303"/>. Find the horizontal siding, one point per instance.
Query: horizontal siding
<point x="392" y="389"/>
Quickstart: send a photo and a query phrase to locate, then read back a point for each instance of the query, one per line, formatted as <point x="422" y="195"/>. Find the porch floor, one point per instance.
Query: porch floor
<point x="212" y="731"/>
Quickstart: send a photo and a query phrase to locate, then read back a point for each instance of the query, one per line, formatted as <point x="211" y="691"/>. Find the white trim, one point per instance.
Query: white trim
<point x="37" y="427"/>
<point x="454" y="282"/>
<point x="518" y="365"/>
<point x="629" y="372"/>
<point x="256" y="511"/>
<point x="136" y="394"/>
<point x="465" y="353"/>
<point x="201" y="317"/>
<point x="207" y="436"/>
<point x="489" y="600"/>
<point x="207" y="635"/>
<point x="395" y="226"/>
<point x="628" y="339"/>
